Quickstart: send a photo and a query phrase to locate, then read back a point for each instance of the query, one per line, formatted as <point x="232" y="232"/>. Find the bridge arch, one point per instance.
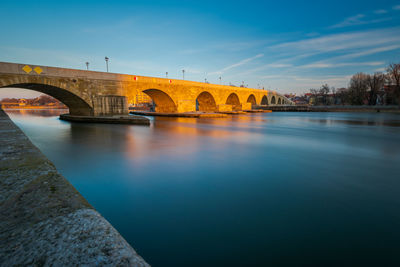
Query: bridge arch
<point x="273" y="100"/>
<point x="252" y="99"/>
<point x="279" y="101"/>
<point x="234" y="101"/>
<point x="163" y="102"/>
<point x="76" y="105"/>
<point x="264" y="101"/>
<point x="206" y="102"/>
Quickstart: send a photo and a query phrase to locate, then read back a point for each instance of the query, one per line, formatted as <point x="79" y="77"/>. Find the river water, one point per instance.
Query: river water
<point x="297" y="189"/>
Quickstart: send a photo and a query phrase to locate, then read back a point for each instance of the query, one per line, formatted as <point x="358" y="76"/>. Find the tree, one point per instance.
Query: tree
<point x="375" y="82"/>
<point x="324" y="91"/>
<point x="394" y="77"/>
<point x="314" y="96"/>
<point x="358" y="88"/>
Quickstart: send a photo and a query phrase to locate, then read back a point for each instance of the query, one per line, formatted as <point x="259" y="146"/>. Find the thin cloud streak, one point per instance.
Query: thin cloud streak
<point x="350" y="21"/>
<point x="342" y="41"/>
<point x="240" y="63"/>
<point x="336" y="65"/>
<point x="380" y="11"/>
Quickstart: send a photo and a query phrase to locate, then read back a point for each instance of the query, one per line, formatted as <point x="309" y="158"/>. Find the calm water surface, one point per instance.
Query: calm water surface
<point x="302" y="189"/>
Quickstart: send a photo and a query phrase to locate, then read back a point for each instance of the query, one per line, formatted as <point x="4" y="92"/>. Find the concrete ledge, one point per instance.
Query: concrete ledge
<point x="135" y="120"/>
<point x="233" y="112"/>
<point x="338" y="108"/>
<point x="258" y="111"/>
<point x="44" y="221"/>
<point x="181" y="115"/>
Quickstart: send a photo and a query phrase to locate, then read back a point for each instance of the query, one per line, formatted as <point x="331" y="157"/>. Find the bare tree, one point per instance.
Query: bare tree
<point x="394" y="77"/>
<point x="314" y="94"/>
<point x="358" y="88"/>
<point x="375" y="82"/>
<point x="324" y="91"/>
<point x="333" y="90"/>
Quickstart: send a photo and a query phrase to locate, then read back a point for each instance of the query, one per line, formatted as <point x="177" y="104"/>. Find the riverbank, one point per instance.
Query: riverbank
<point x="44" y="220"/>
<point x="306" y="108"/>
<point x="34" y="107"/>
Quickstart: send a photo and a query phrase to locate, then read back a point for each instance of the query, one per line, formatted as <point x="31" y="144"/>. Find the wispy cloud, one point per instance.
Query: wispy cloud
<point x="337" y="65"/>
<point x="371" y="51"/>
<point x="350" y="21"/>
<point x="396" y="7"/>
<point x="380" y="11"/>
<point x="341" y="42"/>
<point x="240" y="63"/>
<point x="380" y="69"/>
<point x="361" y="19"/>
<point x="307" y="82"/>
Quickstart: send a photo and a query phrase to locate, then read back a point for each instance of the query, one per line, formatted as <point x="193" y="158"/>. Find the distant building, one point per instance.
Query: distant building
<point x="22" y="102"/>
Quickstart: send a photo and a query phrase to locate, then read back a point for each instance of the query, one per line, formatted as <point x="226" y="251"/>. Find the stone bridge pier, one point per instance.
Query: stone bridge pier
<point x="109" y="105"/>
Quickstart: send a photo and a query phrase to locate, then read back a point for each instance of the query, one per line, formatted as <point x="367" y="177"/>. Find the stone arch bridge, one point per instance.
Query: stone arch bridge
<point x="92" y="93"/>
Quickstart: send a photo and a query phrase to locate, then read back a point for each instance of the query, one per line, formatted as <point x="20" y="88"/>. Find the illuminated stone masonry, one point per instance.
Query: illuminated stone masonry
<point x="92" y="93"/>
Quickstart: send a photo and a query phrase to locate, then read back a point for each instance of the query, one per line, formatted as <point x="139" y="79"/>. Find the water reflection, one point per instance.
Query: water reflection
<point x="365" y="122"/>
<point x="38" y="112"/>
<point x="243" y="190"/>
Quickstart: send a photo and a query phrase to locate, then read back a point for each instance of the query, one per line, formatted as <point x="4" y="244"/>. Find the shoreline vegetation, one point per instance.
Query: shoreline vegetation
<point x="377" y="89"/>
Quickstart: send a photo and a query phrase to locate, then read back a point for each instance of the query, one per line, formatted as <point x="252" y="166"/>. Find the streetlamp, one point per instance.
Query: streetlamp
<point x="220" y="80"/>
<point x="106" y="59"/>
<point x="166" y="74"/>
<point x="183" y="74"/>
<point x="87" y="65"/>
<point x="205" y="80"/>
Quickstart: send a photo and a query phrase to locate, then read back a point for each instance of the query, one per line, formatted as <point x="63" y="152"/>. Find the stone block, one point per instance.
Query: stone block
<point x="225" y="108"/>
<point x="109" y="105"/>
<point x="246" y="106"/>
<point x="186" y="106"/>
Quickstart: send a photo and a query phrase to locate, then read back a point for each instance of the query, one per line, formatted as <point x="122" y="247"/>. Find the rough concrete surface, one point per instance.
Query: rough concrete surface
<point x="44" y="221"/>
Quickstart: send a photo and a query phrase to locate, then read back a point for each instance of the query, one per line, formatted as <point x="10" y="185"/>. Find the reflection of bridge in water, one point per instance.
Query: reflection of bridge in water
<point x="98" y="93"/>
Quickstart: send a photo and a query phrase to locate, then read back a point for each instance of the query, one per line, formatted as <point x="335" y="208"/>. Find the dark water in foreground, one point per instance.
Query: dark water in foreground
<point x="298" y="189"/>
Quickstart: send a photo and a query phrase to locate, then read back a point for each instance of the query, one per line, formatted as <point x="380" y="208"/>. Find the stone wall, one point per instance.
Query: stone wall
<point x="44" y="221"/>
<point x="109" y="105"/>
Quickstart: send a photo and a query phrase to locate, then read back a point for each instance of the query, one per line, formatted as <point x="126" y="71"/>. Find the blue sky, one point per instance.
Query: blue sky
<point x="289" y="46"/>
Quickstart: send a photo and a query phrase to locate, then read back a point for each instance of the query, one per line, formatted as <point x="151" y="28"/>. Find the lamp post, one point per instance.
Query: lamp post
<point x="166" y="74"/>
<point x="87" y="65"/>
<point x="220" y="80"/>
<point x="183" y="74"/>
<point x="106" y="59"/>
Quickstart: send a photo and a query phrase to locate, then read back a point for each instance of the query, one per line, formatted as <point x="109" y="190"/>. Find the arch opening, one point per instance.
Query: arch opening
<point x="206" y="102"/>
<point x="264" y="101"/>
<point x="279" y="101"/>
<point x="273" y="101"/>
<point x="162" y="101"/>
<point x="234" y="101"/>
<point x="252" y="99"/>
<point x="76" y="105"/>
